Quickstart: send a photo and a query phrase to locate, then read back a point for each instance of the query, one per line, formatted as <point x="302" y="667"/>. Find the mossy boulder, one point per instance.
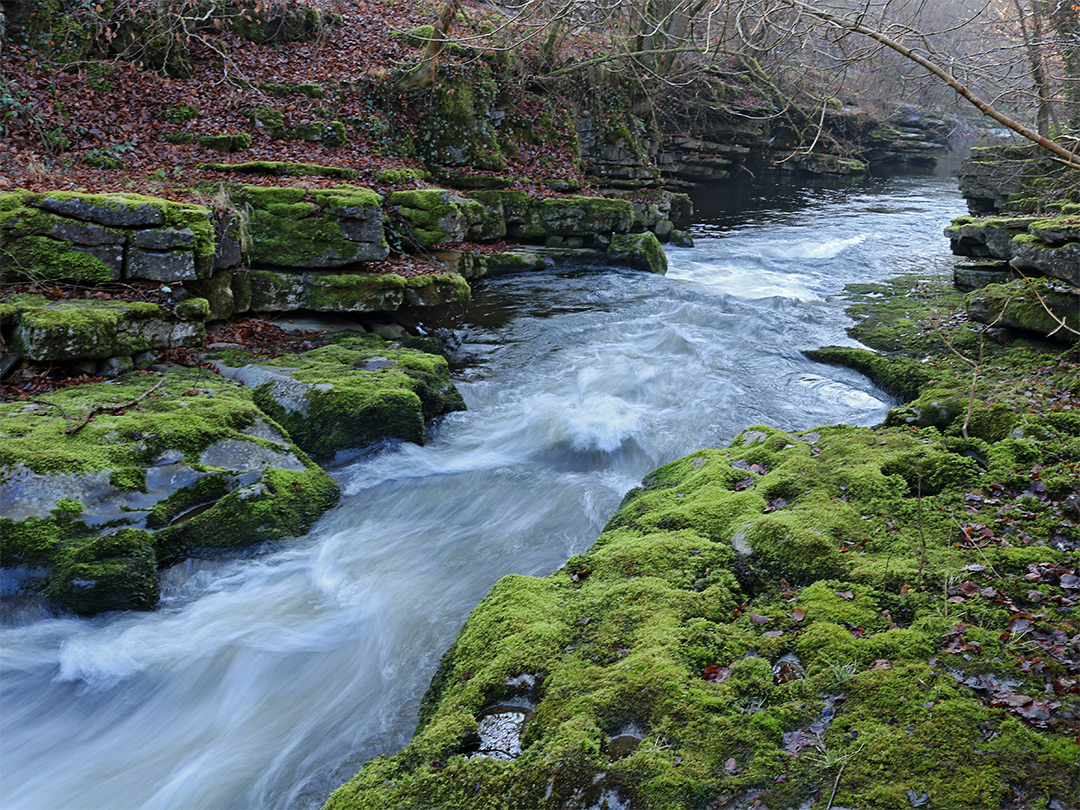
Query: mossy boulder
<point x="642" y="251"/>
<point x="292" y="227"/>
<point x="1043" y="306"/>
<point x="93" y="328"/>
<point x="437" y="216"/>
<point x="102" y="483"/>
<point x="350" y="394"/>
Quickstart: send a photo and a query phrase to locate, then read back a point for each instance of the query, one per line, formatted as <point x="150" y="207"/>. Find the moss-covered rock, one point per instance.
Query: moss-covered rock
<point x="457" y="127"/>
<point x="642" y="251"/>
<point x="1042" y="306"/>
<point x="438" y="216"/>
<point x="290" y="227"/>
<point x="834" y="611"/>
<point x="103" y="237"/>
<point x="102" y="483"/>
<point x="278" y="168"/>
<point x="93" y="328"/>
<point x="226" y="142"/>
<point x="272" y="291"/>
<point x="574" y="216"/>
<point x="350" y="394"/>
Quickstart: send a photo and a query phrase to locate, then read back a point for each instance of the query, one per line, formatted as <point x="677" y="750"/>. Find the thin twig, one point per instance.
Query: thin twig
<point x="835" y="785"/>
<point x="77" y="426"/>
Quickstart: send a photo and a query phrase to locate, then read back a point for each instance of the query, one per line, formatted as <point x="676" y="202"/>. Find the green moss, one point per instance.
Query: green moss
<point x="90" y="572"/>
<point x="369" y="292"/>
<point x="810" y="545"/>
<point x="168" y="420"/>
<point x="95" y="328"/>
<point x="575" y="216"/>
<point x="331" y="133"/>
<point x="400" y="177"/>
<point x="112" y="572"/>
<point x="278" y="168"/>
<point x="227" y="142"/>
<point x="309" y="89"/>
<point x="288" y="230"/>
<point x="181" y="113"/>
<point x="347" y="197"/>
<point x="43" y="258"/>
<point x="899" y="376"/>
<point x="179" y="138"/>
<point x="1032" y="305"/>
<point x="436" y="215"/>
<point x="129" y="479"/>
<point x="641" y="251"/>
<point x="363" y="391"/>
<point x="286" y="503"/>
<point x="268" y="119"/>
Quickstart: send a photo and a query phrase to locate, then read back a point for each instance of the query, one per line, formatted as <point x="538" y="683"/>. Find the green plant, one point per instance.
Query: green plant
<point x="109" y="157"/>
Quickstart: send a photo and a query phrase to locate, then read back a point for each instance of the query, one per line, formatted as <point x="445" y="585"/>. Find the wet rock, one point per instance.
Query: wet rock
<point x="641" y="251"/>
<point x="193" y="465"/>
<point x="351" y="393"/>
<point x="501" y="729"/>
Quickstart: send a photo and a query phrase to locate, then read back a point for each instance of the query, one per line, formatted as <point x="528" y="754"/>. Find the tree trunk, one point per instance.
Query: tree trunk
<point x="1060" y="152"/>
<point x="423" y="75"/>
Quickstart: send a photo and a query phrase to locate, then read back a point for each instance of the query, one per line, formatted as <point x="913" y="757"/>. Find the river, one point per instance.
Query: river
<point x="266" y="679"/>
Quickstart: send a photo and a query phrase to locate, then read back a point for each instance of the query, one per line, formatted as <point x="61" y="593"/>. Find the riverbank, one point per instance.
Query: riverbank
<point x="866" y="617"/>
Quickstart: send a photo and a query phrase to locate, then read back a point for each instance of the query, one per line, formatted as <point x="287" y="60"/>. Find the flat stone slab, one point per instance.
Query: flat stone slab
<point x="94" y="329"/>
<point x="116" y="210"/>
<point x="279" y="291"/>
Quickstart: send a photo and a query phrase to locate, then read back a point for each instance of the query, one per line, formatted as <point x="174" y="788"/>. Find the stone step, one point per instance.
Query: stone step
<point x="96" y="329"/>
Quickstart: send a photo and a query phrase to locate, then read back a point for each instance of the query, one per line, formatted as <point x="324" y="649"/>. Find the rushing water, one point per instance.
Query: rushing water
<point x="266" y="680"/>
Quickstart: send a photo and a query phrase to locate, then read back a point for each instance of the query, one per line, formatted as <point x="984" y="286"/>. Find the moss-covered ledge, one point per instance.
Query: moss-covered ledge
<point x="878" y="615"/>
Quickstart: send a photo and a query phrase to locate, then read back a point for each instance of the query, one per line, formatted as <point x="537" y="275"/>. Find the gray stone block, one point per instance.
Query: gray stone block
<point x="163" y="238"/>
<point x="160" y="265"/>
<point x="116" y="212"/>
